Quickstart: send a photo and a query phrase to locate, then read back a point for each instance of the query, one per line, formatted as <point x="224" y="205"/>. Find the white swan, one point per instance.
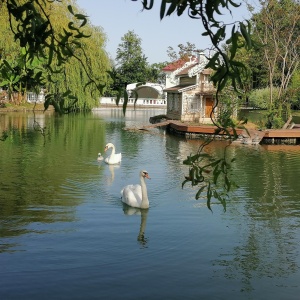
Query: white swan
<point x="113" y="158"/>
<point x="135" y="195"/>
<point x="100" y="157"/>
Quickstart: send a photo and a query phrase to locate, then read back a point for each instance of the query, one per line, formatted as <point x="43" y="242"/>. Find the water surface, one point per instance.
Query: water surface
<point x="64" y="233"/>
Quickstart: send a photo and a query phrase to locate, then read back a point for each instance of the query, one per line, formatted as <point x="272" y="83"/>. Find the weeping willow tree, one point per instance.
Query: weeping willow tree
<point x="72" y="69"/>
<point x="74" y="75"/>
<point x="10" y="54"/>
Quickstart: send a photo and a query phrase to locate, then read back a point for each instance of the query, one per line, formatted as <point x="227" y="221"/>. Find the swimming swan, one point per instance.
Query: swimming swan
<point x="113" y="158"/>
<point x="135" y="195"/>
<point x="100" y="157"/>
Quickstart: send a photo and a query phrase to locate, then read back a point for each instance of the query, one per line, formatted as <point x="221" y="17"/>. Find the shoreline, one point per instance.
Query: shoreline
<point x="25" y="108"/>
<point x="192" y="130"/>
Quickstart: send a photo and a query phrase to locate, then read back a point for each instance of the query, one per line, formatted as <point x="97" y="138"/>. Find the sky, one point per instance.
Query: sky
<point x="117" y="17"/>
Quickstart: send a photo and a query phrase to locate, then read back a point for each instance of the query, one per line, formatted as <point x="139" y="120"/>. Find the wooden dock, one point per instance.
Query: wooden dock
<point x="283" y="133"/>
<point x="270" y="136"/>
<point x="200" y="129"/>
<point x="160" y="124"/>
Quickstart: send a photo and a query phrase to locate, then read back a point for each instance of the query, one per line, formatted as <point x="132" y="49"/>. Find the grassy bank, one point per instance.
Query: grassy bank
<point x="8" y="107"/>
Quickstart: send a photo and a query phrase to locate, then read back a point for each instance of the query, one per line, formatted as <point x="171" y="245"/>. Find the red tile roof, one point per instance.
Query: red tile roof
<point x="176" y="64"/>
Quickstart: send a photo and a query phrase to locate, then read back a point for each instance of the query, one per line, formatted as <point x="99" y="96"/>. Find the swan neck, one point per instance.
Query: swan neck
<point x="145" y="201"/>
<point x="113" y="150"/>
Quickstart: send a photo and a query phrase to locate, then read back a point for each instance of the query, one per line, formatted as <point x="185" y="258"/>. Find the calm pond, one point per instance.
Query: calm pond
<point x="64" y="233"/>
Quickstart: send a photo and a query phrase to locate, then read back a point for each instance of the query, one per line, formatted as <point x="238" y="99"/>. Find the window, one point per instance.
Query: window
<point x="193" y="103"/>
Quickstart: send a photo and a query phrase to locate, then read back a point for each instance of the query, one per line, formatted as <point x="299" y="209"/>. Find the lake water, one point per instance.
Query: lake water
<point x="64" y="233"/>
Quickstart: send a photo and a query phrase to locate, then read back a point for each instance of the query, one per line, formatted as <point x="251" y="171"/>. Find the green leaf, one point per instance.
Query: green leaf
<point x="199" y="192"/>
<point x="162" y="9"/>
<point x="209" y="193"/>
<point x="216" y="176"/>
<point x="184" y="182"/>
<point x="246" y="35"/>
<point x="145" y="4"/>
<point x="47" y="102"/>
<point x="234" y="4"/>
<point x="219" y="35"/>
<point x="181" y="8"/>
<point x="70" y="8"/>
<point x="172" y="7"/>
<point x="213" y="61"/>
<point x="227" y="184"/>
<point x="56" y="106"/>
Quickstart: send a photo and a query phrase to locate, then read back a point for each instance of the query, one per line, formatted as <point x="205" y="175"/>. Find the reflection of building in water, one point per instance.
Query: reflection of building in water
<point x="36" y="119"/>
<point x="189" y="147"/>
<point x="24" y="120"/>
<point x="133" y="117"/>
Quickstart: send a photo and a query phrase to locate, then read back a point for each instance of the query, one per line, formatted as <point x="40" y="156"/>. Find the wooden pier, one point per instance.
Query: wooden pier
<point x="160" y="124"/>
<point x="270" y="136"/>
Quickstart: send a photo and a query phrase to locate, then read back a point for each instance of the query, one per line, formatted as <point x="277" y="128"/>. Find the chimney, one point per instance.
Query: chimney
<point x="198" y="57"/>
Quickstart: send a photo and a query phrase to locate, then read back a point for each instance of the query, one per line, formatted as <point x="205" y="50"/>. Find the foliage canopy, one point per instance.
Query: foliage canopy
<point x="57" y="49"/>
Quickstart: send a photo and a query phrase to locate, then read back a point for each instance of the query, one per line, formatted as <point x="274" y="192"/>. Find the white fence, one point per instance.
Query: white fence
<point x="33" y="97"/>
<point x="111" y="101"/>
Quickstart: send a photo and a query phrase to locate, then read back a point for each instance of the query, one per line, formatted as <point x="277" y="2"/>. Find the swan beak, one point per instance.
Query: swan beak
<point x="147" y="175"/>
<point x="105" y="149"/>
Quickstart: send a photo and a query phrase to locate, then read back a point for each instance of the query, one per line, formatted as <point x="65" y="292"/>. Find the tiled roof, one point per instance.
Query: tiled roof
<point x="176" y="64"/>
<point x="186" y="70"/>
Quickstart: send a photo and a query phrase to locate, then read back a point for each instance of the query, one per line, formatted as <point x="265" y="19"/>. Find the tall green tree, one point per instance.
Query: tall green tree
<point x="294" y="89"/>
<point x="131" y="62"/>
<point x="252" y="69"/>
<point x="277" y="28"/>
<point x="131" y="66"/>
<point x="155" y="74"/>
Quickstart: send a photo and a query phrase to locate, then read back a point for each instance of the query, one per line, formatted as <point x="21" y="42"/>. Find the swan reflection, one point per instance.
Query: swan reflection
<point x="111" y="178"/>
<point x="143" y="213"/>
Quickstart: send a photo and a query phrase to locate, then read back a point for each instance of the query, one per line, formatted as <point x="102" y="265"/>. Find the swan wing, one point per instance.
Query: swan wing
<point x="114" y="159"/>
<point x="132" y="195"/>
<point x="107" y="159"/>
<point x="118" y="157"/>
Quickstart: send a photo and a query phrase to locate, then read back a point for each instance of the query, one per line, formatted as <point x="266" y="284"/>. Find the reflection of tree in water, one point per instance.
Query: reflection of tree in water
<point x="263" y="254"/>
<point x="143" y="213"/>
<point x="267" y="247"/>
<point x="41" y="184"/>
